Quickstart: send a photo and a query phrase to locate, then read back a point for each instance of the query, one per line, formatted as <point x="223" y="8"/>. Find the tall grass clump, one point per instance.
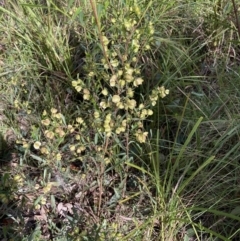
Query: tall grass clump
<point x="109" y="128"/>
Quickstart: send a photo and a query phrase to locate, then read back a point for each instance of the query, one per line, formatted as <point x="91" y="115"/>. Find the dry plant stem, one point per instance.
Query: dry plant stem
<point x="93" y="4"/>
<point x="217" y="112"/>
<point x="102" y="168"/>
<point x="236" y="16"/>
<point x="127" y="167"/>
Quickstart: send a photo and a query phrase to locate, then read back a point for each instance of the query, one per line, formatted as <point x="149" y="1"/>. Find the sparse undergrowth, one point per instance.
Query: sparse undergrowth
<point x="119" y="120"/>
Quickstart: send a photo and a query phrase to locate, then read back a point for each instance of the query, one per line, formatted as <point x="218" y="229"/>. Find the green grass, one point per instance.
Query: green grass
<point x="119" y="120"/>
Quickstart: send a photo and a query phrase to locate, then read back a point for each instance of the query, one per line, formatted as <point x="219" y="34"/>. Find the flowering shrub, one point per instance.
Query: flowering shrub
<point x="111" y="112"/>
<point x="114" y="74"/>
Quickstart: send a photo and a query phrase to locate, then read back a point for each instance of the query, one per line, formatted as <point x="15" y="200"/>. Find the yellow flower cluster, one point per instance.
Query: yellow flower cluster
<point x="130" y="104"/>
<point x="122" y="127"/>
<point x="72" y="11"/>
<point x="105" y="92"/>
<point x="78" y="85"/>
<point x="128" y="75"/>
<point x="49" y="134"/>
<point x="80" y="120"/>
<point x="41" y="201"/>
<point x="135" y="45"/>
<point x="160" y="91"/>
<point x="141" y="136"/>
<point x="116" y="99"/>
<point x="55" y="130"/>
<point x="37" y="145"/>
<point x="145" y="113"/>
<point x="86" y="94"/>
<point x="44" y="150"/>
<point x="19" y="180"/>
<point x="80" y="124"/>
<point x="130" y="92"/>
<point x="137" y="82"/>
<point x="103" y="104"/>
<point x="113" y="80"/>
<point x="96" y="114"/>
<point x="77" y="149"/>
<point x="136" y="9"/>
<point x="108" y="125"/>
<point x="24" y="105"/>
<point x="122" y="78"/>
<point x="105" y="40"/>
<point x="150" y="28"/>
<point x="129" y="24"/>
<point x="55" y="125"/>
